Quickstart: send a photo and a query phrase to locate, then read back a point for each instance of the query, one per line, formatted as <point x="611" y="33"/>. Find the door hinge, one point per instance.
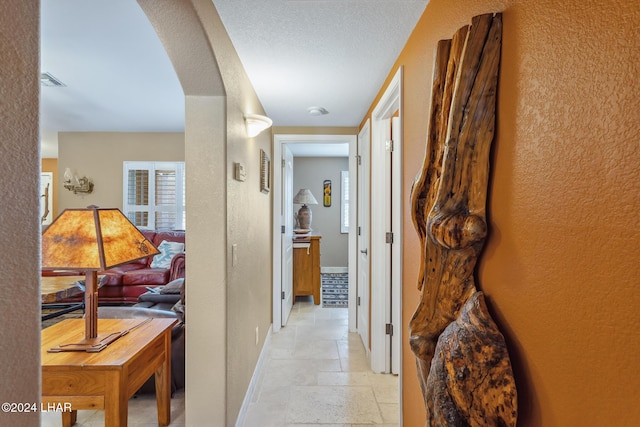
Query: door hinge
<point x="359" y="231"/>
<point x="359" y="158"/>
<point x="389" y="145"/>
<point x="389" y="329"/>
<point x="389" y="237"/>
<point x="282" y="294"/>
<point x="358" y="300"/>
<point x="283" y="163"/>
<point x="283" y="229"/>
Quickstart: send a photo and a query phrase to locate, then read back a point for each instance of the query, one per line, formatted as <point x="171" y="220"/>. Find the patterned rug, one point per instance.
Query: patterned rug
<point x="335" y="289"/>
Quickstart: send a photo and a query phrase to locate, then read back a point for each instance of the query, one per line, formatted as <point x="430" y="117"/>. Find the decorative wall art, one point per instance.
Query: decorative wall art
<point x="463" y="365"/>
<point x="46" y="198"/>
<point x="265" y="172"/>
<point x="326" y="199"/>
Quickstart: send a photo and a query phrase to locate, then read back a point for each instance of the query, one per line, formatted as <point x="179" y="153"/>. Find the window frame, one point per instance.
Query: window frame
<point x="344" y="202"/>
<point x="152" y="208"/>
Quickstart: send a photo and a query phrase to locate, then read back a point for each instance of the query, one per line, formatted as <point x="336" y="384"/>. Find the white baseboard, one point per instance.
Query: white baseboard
<point x="334" y="269"/>
<point x="254" y="379"/>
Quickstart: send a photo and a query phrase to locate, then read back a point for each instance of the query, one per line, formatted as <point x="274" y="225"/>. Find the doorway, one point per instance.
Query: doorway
<point x="280" y="275"/>
<point x="386" y="229"/>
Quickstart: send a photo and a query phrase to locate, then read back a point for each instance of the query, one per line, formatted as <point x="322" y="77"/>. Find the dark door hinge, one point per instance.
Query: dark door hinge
<point x="389" y="237"/>
<point x="358" y="300"/>
<point x="389" y="329"/>
<point x="282" y="294"/>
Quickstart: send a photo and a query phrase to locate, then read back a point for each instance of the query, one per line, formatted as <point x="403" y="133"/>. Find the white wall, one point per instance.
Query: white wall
<point x="310" y="172"/>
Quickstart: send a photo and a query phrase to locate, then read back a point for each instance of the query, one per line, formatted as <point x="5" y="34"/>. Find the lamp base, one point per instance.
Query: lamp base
<point x="304" y="218"/>
<point x="89" y="345"/>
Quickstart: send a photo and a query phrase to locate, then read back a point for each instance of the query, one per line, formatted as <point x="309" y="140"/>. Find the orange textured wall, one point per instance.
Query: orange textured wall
<point x="561" y="268"/>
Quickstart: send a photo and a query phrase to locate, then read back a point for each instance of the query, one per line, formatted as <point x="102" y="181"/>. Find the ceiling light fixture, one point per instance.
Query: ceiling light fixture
<point x="256" y="124"/>
<point x="317" y="111"/>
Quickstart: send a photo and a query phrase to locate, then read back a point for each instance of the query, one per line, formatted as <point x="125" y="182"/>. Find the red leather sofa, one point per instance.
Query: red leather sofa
<point x="125" y="283"/>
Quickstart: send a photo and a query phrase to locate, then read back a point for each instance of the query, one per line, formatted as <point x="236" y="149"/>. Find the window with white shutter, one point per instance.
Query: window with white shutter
<point x="154" y="194"/>
<point x="344" y="202"/>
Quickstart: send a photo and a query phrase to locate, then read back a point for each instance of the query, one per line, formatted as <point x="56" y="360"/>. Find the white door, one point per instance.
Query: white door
<point x="362" y="302"/>
<point x="385" y="254"/>
<point x="287" y="233"/>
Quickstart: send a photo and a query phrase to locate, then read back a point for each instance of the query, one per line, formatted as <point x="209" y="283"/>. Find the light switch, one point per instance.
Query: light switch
<point x="240" y="172"/>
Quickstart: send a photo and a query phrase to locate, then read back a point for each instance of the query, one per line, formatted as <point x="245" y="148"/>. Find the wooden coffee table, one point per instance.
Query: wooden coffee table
<point x="107" y="380"/>
<point x="59" y="288"/>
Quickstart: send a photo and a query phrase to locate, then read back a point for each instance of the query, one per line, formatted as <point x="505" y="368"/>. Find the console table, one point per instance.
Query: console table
<point x="106" y="380"/>
<point x="306" y="267"/>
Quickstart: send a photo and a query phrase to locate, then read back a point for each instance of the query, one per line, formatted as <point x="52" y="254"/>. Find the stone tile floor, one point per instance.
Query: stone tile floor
<point x="315" y="373"/>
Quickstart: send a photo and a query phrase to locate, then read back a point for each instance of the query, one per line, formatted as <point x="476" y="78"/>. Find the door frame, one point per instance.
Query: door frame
<point x="364" y="226"/>
<point x="278" y="140"/>
<point x="386" y="306"/>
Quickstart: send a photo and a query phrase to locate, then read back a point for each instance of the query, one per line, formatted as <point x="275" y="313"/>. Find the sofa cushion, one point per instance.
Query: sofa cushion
<point x="167" y="251"/>
<point x="113" y="276"/>
<point x="173" y="287"/>
<point x="169" y="236"/>
<point x="146" y="276"/>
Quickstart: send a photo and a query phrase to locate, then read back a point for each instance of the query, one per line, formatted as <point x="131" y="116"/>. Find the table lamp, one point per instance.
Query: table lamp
<point x="92" y="240"/>
<point x="305" y="198"/>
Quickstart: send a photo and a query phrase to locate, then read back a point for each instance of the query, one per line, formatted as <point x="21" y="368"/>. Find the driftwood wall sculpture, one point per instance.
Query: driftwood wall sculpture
<point x="463" y="365"/>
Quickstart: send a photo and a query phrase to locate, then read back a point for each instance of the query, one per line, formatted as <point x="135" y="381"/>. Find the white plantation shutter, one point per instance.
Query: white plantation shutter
<point x="154" y="194"/>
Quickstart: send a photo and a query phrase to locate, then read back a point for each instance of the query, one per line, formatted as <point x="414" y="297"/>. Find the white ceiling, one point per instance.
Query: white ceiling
<point x="297" y="53"/>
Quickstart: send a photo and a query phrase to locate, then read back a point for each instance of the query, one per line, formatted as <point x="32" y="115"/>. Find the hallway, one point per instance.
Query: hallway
<point x="316" y="373"/>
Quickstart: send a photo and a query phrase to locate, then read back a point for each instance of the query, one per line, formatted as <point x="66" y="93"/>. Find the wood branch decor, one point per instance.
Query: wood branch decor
<point x="463" y="365"/>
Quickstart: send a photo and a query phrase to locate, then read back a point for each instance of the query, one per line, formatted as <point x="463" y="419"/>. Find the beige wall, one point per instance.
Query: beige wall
<point x="560" y="268"/>
<point x="19" y="209"/>
<point x="227" y="302"/>
<point x="100" y="155"/>
<point x="310" y="172"/>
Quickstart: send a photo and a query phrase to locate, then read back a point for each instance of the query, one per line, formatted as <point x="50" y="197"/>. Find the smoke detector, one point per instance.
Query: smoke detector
<point x="317" y="111"/>
<point x="46" y="79"/>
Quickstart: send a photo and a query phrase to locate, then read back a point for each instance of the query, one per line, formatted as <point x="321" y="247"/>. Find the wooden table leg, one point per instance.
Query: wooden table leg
<point x="116" y="404"/>
<point x="163" y="384"/>
<point x="69" y="418"/>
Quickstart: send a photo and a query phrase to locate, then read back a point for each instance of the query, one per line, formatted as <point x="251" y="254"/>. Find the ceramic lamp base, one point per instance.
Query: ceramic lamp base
<point x="304" y="218"/>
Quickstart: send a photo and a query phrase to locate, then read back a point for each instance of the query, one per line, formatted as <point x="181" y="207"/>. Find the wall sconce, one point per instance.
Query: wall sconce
<point x="256" y="124"/>
<point x="82" y="185"/>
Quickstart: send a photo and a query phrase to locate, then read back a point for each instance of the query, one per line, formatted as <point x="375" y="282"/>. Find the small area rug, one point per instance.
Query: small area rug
<point x="335" y="289"/>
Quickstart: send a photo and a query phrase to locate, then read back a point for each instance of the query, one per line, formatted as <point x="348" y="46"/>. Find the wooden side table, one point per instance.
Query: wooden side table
<point x="107" y="380"/>
<point x="306" y="268"/>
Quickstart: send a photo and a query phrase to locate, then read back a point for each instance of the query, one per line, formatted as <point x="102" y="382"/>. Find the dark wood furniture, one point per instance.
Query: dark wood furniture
<point x="106" y="380"/>
<point x="306" y="267"/>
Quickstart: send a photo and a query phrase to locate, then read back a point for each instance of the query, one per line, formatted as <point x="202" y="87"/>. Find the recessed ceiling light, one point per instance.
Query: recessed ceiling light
<point x="317" y="111"/>
<point x="46" y="79"/>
